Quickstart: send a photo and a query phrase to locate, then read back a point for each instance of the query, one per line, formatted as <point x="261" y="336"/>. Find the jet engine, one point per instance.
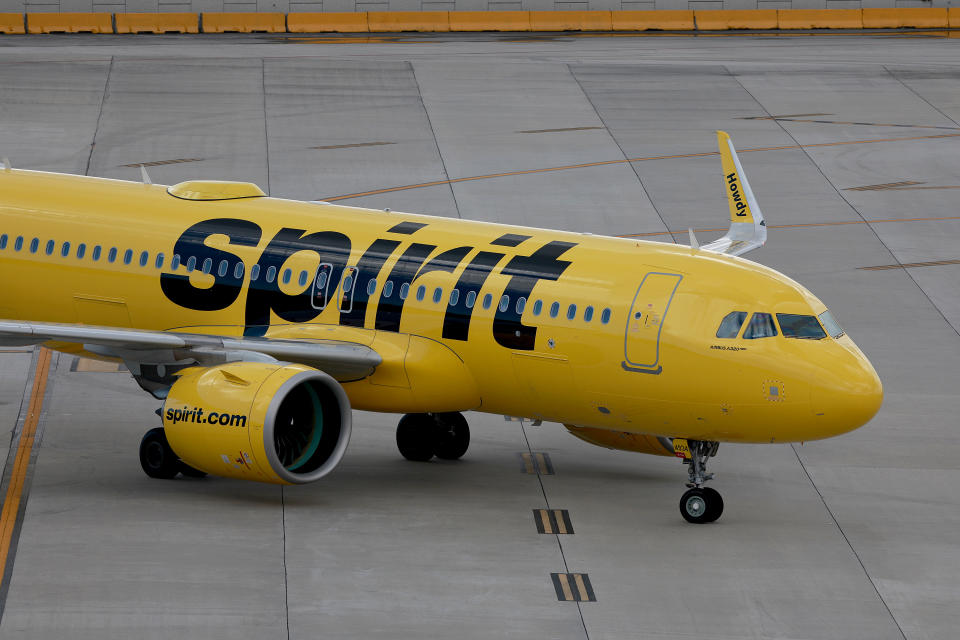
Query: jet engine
<point x="623" y="440"/>
<point x="279" y="423"/>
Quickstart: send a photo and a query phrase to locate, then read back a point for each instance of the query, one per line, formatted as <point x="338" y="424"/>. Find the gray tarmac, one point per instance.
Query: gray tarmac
<point x="857" y="537"/>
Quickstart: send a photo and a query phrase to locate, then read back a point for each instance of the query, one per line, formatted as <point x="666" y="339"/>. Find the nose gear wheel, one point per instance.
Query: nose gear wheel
<point x="700" y="504"/>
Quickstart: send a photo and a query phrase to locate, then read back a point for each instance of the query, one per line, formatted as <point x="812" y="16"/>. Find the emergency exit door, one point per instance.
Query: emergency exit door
<point x="645" y="322"/>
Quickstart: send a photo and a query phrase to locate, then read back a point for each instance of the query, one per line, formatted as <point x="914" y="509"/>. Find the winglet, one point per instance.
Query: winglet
<point x="144" y="176"/>
<point x="693" y="240"/>
<point x="747" y="227"/>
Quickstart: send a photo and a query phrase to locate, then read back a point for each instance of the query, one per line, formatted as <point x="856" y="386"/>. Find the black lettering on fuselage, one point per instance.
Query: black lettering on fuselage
<point x="390" y="307"/>
<point x="368" y="267"/>
<point x="332" y="248"/>
<point x="225" y="288"/>
<point x="525" y="272"/>
<point x="456" y="321"/>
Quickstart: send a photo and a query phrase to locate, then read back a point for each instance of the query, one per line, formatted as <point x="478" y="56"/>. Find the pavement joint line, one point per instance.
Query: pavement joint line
<point x="17" y="475"/>
<point x="847" y="540"/>
<point x="623" y="152"/>
<point x="546" y="502"/>
<point x="601" y="163"/>
<point x="839" y="193"/>
<point x="96" y="129"/>
<point x="433" y="132"/>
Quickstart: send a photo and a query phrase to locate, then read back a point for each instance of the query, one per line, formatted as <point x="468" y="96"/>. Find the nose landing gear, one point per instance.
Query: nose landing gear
<point x="700" y="504"/>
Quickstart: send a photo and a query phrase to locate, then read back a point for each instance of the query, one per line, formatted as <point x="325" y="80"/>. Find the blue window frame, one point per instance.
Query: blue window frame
<point x="223" y="268"/>
<point x="605" y="316"/>
<point x="371" y="286"/>
<point x="571" y="312"/>
<point x="454" y="297"/>
<point x="34" y="245"/>
<point x="487" y="301"/>
<point x="238" y="271"/>
<point x="158" y="263"/>
<point x="254" y="272"/>
<point x="175" y="262"/>
<point x="51" y="245"/>
<point x="404" y="291"/>
<point x="271" y="274"/>
<point x="437" y="295"/>
<point x="588" y="314"/>
<point x="112" y="256"/>
<point x="421" y="292"/>
<point x="65" y="250"/>
<point x="144" y="258"/>
<point x="471" y="299"/>
<point x="96" y="253"/>
<point x="554" y="309"/>
<point x="18" y="243"/>
<point x="81" y="251"/>
<point x="207" y="266"/>
<point x="388" y="289"/>
<point x="287" y="274"/>
<point x="128" y="256"/>
<point x="537" y="307"/>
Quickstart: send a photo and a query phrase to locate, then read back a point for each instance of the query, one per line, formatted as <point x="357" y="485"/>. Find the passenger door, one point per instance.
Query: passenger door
<point x="645" y="322"/>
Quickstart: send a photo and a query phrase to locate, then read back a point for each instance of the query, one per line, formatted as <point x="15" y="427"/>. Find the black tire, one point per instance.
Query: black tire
<point x="714" y="504"/>
<point x="415" y="434"/>
<point x="156" y="457"/>
<point x="190" y="472"/>
<point x="451" y="437"/>
<point x="697" y="505"/>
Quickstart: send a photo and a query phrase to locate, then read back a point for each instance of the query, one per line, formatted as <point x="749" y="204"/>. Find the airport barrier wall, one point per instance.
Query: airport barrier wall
<point x="433" y="21"/>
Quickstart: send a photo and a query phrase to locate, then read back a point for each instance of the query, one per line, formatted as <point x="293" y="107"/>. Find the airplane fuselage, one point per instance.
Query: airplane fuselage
<point x="586" y="330"/>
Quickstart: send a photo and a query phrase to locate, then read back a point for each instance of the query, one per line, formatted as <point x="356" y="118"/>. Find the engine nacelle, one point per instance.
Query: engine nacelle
<point x="286" y="424"/>
<point x="623" y="440"/>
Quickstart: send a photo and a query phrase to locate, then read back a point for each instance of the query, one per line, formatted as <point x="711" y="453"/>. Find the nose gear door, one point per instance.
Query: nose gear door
<point x="645" y="322"/>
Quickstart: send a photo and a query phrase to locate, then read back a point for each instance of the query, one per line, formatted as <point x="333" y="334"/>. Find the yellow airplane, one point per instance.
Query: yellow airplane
<point x="261" y="322"/>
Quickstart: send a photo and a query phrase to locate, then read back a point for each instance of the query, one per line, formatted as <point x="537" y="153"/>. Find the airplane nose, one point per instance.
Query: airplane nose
<point x="848" y="395"/>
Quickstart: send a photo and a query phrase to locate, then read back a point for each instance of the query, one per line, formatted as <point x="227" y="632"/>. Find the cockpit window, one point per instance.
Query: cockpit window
<point x="760" y="326"/>
<point x="831" y="325"/>
<point x="731" y="323"/>
<point x="797" y="326"/>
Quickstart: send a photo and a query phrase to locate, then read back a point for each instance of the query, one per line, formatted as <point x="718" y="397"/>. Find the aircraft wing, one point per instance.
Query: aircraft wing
<point x="154" y="356"/>
<point x="747" y="227"/>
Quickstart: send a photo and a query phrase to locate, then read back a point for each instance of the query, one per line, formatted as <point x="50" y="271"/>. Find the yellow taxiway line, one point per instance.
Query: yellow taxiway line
<point x="11" y="502"/>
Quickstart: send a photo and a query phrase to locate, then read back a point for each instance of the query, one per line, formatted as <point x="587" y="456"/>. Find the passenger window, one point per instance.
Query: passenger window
<point x="470" y="299"/>
<point x="504" y="302"/>
<point x="454" y="297"/>
<point x="18" y="243"/>
<point x="34" y="245"/>
<point x="287" y="274"/>
<point x="271" y="274"/>
<point x="128" y="258"/>
<point x="144" y="258"/>
<point x="302" y="278"/>
<point x="421" y="293"/>
<point x="65" y="250"/>
<point x="174" y="262"/>
<point x="404" y="291"/>
<point x="521" y="305"/>
<point x="388" y="289"/>
<point x="223" y="268"/>
<point x="254" y="272"/>
<point x="81" y="251"/>
<point x="371" y="286"/>
<point x="605" y="316"/>
<point x="437" y="295"/>
<point x="487" y="301"/>
<point x="571" y="312"/>
<point x="112" y="257"/>
<point x="50" y="246"/>
<point x="158" y="262"/>
<point x="237" y="271"/>
<point x="760" y="326"/>
<point x="798" y="326"/>
<point x="537" y="307"/>
<point x="554" y="309"/>
<point x="96" y="253"/>
<point x="3" y="241"/>
<point x="207" y="266"/>
<point x="731" y="323"/>
<point x="830" y="324"/>
<point x="588" y="314"/>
